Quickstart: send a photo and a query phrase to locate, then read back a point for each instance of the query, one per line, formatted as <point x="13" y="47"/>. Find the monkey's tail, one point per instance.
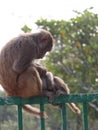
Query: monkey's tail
<point x="74" y="108"/>
<point x="35" y="111"/>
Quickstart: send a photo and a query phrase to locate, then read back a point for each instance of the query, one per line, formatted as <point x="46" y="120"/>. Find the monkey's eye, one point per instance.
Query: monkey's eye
<point x="44" y="40"/>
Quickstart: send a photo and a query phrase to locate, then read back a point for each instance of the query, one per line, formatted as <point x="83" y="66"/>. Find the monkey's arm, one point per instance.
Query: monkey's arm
<point x="19" y="65"/>
<point x="27" y="54"/>
<point x="41" y="69"/>
<point x="45" y="76"/>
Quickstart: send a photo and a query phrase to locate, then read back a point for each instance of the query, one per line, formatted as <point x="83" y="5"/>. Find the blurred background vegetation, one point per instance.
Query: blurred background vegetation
<point x="74" y="58"/>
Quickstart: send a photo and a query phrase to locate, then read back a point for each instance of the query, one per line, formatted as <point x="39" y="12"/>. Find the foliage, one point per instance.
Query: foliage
<point x="26" y="29"/>
<point x="74" y="57"/>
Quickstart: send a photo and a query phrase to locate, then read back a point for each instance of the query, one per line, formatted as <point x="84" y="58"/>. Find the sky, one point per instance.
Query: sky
<point x="14" y="14"/>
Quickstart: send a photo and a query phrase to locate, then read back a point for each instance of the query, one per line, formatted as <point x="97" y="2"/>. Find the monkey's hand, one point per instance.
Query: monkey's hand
<point x="41" y="69"/>
<point x="60" y="92"/>
<point x="49" y="94"/>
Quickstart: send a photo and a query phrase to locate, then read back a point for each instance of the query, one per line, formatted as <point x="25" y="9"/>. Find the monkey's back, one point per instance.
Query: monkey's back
<point x="7" y="75"/>
<point x="9" y="53"/>
<point x="12" y="51"/>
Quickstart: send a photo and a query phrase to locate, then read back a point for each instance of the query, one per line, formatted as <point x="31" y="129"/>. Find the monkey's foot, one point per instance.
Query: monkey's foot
<point x="77" y="110"/>
<point x="74" y="108"/>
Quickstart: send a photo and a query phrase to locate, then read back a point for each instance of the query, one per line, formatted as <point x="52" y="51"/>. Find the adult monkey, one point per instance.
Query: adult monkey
<point x="17" y="76"/>
<point x="53" y="85"/>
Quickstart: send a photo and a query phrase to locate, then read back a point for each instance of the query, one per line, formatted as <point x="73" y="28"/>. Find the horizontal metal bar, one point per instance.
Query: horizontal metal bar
<point x="61" y="99"/>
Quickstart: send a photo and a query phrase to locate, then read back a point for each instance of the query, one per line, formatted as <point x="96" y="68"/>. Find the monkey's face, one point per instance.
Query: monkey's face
<point x="45" y="43"/>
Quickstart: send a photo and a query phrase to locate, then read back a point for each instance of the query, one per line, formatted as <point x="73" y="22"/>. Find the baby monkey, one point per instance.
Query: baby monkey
<point x="54" y="86"/>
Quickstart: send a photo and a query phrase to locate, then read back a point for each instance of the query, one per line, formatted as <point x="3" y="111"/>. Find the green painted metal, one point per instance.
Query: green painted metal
<point x="85" y="113"/>
<point x="42" y="119"/>
<point x="64" y="124"/>
<point x="79" y="98"/>
<point x="20" y="126"/>
<point x="76" y="98"/>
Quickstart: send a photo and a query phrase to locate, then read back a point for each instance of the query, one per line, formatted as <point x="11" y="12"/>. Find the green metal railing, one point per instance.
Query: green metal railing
<point x="77" y="98"/>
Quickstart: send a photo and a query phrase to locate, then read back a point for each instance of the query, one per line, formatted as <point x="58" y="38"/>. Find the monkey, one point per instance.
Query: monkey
<point x="46" y="77"/>
<point x="61" y="89"/>
<point x="17" y="76"/>
<point x="54" y="86"/>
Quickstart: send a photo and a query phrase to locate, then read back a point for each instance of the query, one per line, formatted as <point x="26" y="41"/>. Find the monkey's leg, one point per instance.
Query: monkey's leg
<point x="74" y="108"/>
<point x="47" y="87"/>
<point x="30" y="84"/>
<point x="63" y="89"/>
<point x="35" y="111"/>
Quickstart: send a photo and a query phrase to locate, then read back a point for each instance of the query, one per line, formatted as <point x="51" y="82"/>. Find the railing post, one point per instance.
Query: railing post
<point x="42" y="119"/>
<point x="64" y="124"/>
<point x="85" y="114"/>
<point x="20" y="125"/>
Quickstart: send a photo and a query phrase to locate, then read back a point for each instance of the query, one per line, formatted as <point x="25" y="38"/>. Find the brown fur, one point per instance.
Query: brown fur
<point x="17" y="76"/>
<point x="62" y="88"/>
<point x="53" y="85"/>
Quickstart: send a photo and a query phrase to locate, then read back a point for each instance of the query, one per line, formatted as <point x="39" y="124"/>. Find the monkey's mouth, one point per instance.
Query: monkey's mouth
<point x="42" y="55"/>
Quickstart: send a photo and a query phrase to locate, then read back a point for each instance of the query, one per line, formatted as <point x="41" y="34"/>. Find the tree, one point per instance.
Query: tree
<point x="75" y="53"/>
<point x="26" y="29"/>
